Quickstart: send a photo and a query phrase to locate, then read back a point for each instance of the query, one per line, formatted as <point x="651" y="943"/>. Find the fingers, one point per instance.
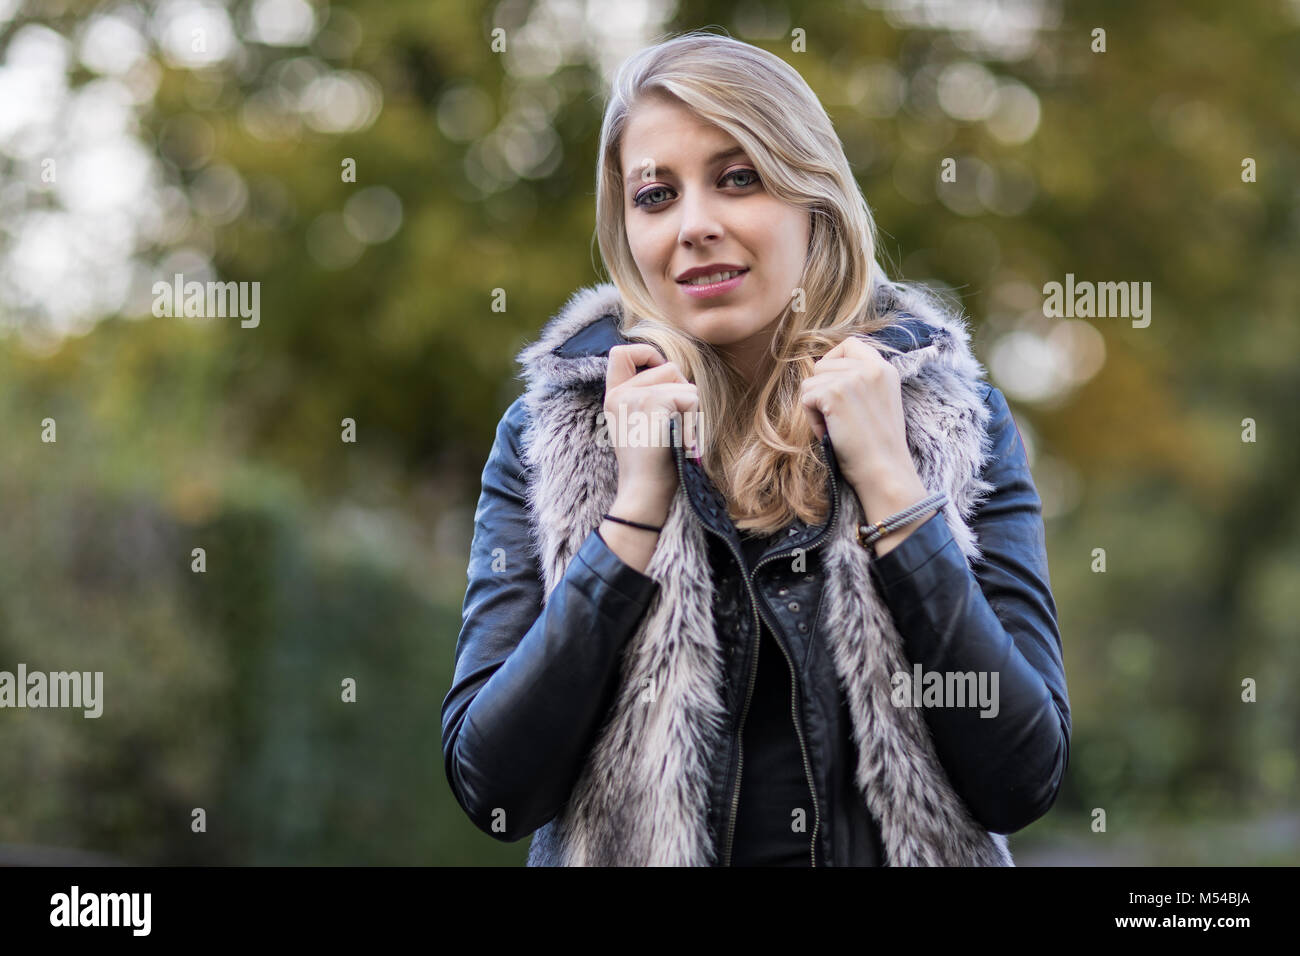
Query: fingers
<point x="624" y="360"/>
<point x="666" y="373"/>
<point x="684" y="397"/>
<point x="869" y="370"/>
<point x="661" y="385"/>
<point x="815" y="418"/>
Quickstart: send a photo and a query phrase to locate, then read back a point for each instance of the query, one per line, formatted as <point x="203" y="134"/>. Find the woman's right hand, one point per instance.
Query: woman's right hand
<point x="647" y="471"/>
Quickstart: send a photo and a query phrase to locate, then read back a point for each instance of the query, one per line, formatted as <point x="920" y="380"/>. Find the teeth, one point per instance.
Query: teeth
<point x="716" y="277"/>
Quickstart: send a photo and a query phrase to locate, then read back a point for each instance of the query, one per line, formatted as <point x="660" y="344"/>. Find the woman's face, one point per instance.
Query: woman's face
<point x="693" y="199"/>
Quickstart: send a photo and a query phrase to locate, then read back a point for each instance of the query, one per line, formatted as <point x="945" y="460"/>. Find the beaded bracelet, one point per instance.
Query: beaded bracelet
<point x="869" y="534"/>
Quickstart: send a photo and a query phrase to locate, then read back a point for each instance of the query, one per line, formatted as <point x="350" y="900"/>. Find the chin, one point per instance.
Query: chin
<point x="714" y="329"/>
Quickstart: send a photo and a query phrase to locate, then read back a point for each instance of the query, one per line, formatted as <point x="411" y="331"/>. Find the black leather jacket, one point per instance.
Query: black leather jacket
<point x="532" y="684"/>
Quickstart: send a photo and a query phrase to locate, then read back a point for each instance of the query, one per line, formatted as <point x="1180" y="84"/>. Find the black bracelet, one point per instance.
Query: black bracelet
<point x="634" y="524"/>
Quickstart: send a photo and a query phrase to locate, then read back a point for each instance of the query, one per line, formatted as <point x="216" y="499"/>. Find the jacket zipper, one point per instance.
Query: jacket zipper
<point x="755" y="608"/>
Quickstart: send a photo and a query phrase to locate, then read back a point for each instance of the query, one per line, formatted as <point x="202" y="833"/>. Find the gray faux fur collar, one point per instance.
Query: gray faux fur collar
<point x="641" y="797"/>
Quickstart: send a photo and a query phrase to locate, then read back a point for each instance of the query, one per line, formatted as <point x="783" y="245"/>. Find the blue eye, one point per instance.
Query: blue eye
<point x="640" y="198"/>
<point x="742" y="172"/>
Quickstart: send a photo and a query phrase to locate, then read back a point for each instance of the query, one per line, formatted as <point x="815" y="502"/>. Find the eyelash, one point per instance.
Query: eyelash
<point x="638" y="200"/>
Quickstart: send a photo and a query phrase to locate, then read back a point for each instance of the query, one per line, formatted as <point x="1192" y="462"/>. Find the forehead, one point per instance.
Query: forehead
<point x="667" y="133"/>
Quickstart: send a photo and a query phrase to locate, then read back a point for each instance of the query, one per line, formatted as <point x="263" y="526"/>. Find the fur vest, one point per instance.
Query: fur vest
<point x="640" y="798"/>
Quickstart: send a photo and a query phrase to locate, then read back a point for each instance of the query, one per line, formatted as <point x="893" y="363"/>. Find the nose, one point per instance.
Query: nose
<point x="700" y="223"/>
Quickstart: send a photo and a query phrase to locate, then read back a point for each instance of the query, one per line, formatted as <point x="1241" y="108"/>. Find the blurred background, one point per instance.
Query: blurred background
<point x="139" y="140"/>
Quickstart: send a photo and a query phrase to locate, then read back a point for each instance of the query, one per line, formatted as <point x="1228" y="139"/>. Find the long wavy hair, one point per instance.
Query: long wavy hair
<point x="758" y="446"/>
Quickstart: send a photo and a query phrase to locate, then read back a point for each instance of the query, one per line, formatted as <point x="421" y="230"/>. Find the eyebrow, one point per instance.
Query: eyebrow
<point x="717" y="157"/>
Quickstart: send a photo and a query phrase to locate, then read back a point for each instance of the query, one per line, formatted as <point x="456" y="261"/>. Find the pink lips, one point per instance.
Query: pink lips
<point x="716" y="288"/>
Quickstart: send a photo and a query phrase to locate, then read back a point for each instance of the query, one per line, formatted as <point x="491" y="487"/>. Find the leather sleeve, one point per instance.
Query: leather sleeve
<point x="997" y="615"/>
<point x="532" y="684"/>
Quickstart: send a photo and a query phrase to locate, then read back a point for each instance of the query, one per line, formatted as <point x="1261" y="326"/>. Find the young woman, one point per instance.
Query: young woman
<point x="812" y="627"/>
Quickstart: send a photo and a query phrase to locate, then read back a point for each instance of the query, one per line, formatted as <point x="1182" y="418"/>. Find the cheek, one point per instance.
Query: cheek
<point x="794" y="249"/>
<point x="794" y="233"/>
<point x="646" y="252"/>
<point x="781" y="236"/>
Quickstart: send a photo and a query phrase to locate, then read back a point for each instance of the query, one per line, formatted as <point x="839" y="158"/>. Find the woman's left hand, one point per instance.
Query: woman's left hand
<point x="854" y="393"/>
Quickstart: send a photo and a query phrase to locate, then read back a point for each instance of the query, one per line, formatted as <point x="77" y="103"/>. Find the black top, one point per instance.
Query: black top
<point x="773" y="782"/>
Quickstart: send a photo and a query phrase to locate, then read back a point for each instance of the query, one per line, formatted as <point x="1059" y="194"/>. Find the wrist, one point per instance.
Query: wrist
<point x="884" y="499"/>
<point x="885" y="496"/>
<point x="644" y="506"/>
<point x="893" y="539"/>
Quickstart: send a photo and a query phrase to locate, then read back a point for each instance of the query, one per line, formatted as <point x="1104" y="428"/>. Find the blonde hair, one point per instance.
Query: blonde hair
<point x="758" y="445"/>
